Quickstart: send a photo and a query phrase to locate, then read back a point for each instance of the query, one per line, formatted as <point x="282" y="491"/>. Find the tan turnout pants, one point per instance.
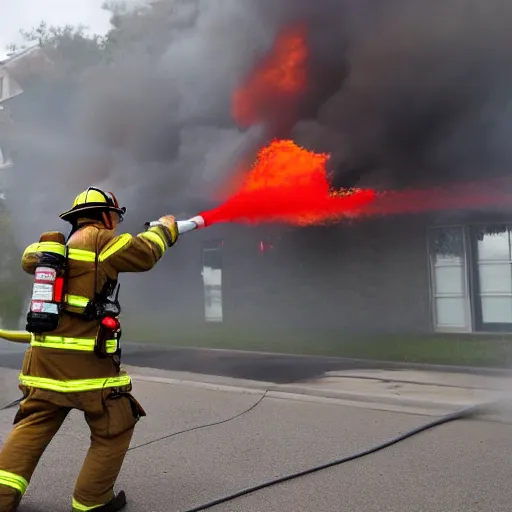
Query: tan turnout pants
<point x="111" y="417"/>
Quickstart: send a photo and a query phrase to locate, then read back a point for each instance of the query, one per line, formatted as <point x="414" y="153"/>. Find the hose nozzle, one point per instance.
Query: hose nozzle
<point x="184" y="226"/>
<point x="196" y="222"/>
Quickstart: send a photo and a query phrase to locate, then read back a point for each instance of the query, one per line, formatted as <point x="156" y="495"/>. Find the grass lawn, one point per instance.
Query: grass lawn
<point x="464" y="350"/>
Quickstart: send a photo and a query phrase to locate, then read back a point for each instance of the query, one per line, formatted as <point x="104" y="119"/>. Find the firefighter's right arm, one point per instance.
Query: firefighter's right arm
<point x="140" y="253"/>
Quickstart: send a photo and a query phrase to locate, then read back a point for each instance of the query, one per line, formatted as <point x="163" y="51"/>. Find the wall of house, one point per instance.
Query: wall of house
<point x="365" y="277"/>
<point x="368" y="277"/>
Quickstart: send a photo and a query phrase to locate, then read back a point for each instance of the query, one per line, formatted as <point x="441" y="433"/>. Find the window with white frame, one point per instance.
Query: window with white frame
<point x="492" y="277"/>
<point x="212" y="281"/>
<point x="449" y="285"/>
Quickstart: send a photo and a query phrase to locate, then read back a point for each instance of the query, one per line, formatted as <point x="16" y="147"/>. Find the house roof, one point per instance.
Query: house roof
<point x="29" y="61"/>
<point x="13" y="57"/>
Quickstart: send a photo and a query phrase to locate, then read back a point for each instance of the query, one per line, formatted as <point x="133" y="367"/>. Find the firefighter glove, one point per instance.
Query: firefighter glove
<point x="169" y="222"/>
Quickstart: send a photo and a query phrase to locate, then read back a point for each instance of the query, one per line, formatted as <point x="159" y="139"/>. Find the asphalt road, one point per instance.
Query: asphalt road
<point x="459" y="467"/>
<point x="281" y="369"/>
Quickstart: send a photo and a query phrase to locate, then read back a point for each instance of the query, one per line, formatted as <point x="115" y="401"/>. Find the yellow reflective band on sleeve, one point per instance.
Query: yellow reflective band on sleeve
<point x="82" y="344"/>
<point x="154" y="237"/>
<point x="81" y="255"/>
<point x="78" y="507"/>
<point x="13" y="481"/>
<point x="54" y="247"/>
<point x="30" y="249"/>
<point x="121" y="242"/>
<point x="74" y="386"/>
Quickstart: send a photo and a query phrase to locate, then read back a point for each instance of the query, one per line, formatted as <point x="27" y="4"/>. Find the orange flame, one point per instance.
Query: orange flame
<point x="286" y="183"/>
<point x="284" y="164"/>
<point x="289" y="184"/>
<point x="280" y="77"/>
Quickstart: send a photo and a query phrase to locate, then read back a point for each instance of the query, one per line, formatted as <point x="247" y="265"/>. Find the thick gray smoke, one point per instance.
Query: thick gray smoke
<point x="418" y="89"/>
<point x="428" y="93"/>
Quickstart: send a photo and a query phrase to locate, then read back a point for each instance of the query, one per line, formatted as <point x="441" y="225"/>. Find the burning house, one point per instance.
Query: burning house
<point x="438" y="257"/>
<point x="410" y="100"/>
<point x="416" y="273"/>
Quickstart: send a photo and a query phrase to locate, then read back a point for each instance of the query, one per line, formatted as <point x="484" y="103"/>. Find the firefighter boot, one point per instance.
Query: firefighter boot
<point x="115" y="504"/>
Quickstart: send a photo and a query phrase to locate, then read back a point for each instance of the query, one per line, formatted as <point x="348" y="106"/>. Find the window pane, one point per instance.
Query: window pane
<point x="213" y="303"/>
<point x="448" y="245"/>
<point x="493" y="243"/>
<point x="449" y="280"/>
<point x="495" y="278"/>
<point x="450" y="312"/>
<point x="448" y="275"/>
<point x="497" y="310"/>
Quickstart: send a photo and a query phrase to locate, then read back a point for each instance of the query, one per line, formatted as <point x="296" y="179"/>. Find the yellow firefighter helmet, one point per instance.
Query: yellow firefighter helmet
<point x="93" y="199"/>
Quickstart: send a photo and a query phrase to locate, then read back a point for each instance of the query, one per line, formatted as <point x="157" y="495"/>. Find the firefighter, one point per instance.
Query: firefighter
<point x="77" y="364"/>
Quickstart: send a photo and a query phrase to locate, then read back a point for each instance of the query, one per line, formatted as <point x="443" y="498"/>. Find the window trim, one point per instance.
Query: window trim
<point x="213" y="246"/>
<point x="479" y="325"/>
<point x="468" y="308"/>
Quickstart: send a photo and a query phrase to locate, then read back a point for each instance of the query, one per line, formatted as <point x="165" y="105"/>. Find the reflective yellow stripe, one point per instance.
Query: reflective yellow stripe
<point x="83" y="344"/>
<point x="82" y="255"/>
<point x="77" y="301"/>
<point x="154" y="237"/>
<point x="74" y="386"/>
<point x="121" y="242"/>
<point x="54" y="247"/>
<point x="83" y="508"/>
<point x="14" y="481"/>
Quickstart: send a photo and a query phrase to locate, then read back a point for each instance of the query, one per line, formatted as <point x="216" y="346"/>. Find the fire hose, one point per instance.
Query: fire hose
<point x="465" y="413"/>
<point x="472" y="411"/>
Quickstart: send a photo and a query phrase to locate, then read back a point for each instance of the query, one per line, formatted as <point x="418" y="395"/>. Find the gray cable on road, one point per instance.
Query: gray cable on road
<point x="11" y="404"/>
<point x="253" y="406"/>
<point x="468" y="412"/>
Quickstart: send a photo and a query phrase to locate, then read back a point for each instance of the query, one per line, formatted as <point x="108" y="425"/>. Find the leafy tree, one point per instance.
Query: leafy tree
<point x="70" y="49"/>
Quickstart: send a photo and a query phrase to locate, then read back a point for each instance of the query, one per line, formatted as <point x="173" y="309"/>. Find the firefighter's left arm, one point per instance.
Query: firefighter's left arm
<point x="50" y="241"/>
<point x="30" y="258"/>
<point x="140" y="253"/>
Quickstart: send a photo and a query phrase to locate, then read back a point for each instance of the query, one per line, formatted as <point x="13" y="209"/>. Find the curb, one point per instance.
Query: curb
<point x="304" y="393"/>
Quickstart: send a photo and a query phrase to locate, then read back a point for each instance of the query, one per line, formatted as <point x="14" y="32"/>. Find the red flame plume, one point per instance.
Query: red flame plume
<point x="290" y="184"/>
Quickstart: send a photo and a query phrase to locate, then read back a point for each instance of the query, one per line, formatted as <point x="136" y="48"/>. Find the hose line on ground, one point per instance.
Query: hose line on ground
<point x="253" y="406"/>
<point x="468" y="412"/>
<point x="11" y="404"/>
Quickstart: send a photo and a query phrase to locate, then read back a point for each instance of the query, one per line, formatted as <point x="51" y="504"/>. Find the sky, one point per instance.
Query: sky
<point x="25" y="14"/>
